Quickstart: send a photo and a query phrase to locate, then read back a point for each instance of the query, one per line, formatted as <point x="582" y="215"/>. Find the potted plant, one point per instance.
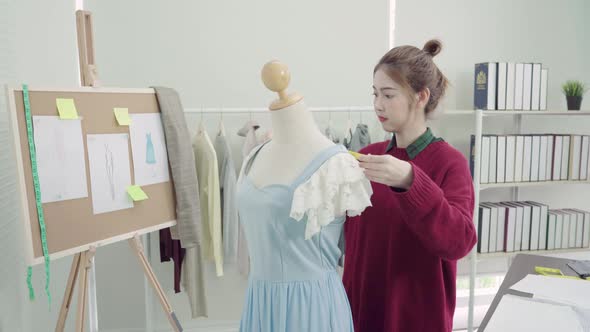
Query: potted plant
<point x="574" y="91"/>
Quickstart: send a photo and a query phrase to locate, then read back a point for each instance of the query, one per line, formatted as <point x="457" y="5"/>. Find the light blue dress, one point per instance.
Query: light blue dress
<point x="294" y="285"/>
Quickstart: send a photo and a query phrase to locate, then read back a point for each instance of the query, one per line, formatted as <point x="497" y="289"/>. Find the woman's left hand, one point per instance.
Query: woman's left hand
<point x="387" y="170"/>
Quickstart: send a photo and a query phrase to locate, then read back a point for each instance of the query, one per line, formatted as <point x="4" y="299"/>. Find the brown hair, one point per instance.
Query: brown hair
<point x="414" y="70"/>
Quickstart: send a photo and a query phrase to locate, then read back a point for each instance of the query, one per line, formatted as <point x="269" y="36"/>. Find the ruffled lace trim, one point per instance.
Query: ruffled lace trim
<point x="338" y="188"/>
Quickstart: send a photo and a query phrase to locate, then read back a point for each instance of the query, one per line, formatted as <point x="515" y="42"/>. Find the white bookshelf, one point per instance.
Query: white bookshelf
<point x="514" y="112"/>
<point x="474" y="257"/>
<point x="484" y="186"/>
<point x="493" y="255"/>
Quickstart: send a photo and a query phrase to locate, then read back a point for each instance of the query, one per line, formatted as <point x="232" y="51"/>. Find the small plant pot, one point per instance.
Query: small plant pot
<point x="573" y="103"/>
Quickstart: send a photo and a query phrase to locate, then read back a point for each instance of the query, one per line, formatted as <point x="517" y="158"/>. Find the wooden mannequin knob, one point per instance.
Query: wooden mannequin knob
<point x="276" y="77"/>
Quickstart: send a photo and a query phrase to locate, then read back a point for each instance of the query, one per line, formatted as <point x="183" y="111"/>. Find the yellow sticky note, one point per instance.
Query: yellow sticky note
<point x="136" y="193"/>
<point x="122" y="115"/>
<point x="66" y="108"/>
<point x="355" y="154"/>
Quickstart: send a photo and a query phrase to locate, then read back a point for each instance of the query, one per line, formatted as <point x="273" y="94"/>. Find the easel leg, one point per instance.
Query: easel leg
<point x="135" y="244"/>
<point x="67" y="300"/>
<point x="82" y="291"/>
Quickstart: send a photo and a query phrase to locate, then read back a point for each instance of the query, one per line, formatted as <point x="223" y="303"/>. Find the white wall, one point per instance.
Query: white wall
<point x="212" y="51"/>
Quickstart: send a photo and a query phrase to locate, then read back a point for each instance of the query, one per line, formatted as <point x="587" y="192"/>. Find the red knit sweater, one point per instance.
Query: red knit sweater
<point x="401" y="254"/>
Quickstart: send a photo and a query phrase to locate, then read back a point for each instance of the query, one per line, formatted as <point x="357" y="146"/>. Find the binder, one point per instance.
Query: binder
<point x="492" y="175"/>
<point x="575" y="157"/>
<point x="485" y="159"/>
<point x="535" y="158"/>
<point x="542" y="221"/>
<point x="565" y="152"/>
<point x="518" y="86"/>
<point x="526" y="158"/>
<point x="509" y="227"/>
<point x="543" y="158"/>
<point x="536" y="87"/>
<point x="558" y="229"/>
<point x="501" y="158"/>
<point x="584" y="158"/>
<point x="549" y="166"/>
<point x="527" y="86"/>
<point x="510" y="85"/>
<point x="510" y="157"/>
<point x="573" y="228"/>
<point x="518" y="158"/>
<point x="557" y="146"/>
<point x="483" y="232"/>
<point x="526" y="226"/>
<point x="493" y="227"/>
<point x="551" y="231"/>
<point x="535" y="226"/>
<point x="565" y="233"/>
<point x="544" y="82"/>
<point x="502" y="81"/>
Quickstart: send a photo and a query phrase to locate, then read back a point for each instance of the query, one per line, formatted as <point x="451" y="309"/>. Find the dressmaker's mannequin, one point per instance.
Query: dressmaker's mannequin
<point x="296" y="137"/>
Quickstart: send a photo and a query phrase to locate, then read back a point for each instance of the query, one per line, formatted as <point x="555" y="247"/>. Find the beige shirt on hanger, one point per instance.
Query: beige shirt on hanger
<point x="209" y="193"/>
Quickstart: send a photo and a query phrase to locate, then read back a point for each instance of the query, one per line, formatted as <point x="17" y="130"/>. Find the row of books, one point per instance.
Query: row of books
<point x="527" y="158"/>
<point x="510" y="86"/>
<point x="523" y="226"/>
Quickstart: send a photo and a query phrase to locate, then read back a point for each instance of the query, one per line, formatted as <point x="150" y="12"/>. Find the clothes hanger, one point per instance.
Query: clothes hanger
<point x="221" y="129"/>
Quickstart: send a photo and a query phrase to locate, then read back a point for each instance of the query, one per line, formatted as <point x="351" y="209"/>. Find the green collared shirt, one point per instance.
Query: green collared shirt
<point x="418" y="145"/>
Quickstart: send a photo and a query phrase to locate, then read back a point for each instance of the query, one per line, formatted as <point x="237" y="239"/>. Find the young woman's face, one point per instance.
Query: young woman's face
<point x="392" y="106"/>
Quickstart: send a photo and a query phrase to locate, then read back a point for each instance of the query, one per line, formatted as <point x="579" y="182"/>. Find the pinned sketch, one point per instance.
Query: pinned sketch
<point x="148" y="146"/>
<point x="110" y="172"/>
<point x="60" y="158"/>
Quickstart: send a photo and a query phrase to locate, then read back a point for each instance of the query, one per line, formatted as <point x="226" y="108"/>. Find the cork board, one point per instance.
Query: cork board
<point x="71" y="225"/>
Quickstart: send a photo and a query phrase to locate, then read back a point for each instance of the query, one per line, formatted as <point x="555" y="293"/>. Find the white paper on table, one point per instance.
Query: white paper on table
<point x="518" y="314"/>
<point x="110" y="172"/>
<point x="564" y="290"/>
<point x="61" y="166"/>
<point x="148" y="146"/>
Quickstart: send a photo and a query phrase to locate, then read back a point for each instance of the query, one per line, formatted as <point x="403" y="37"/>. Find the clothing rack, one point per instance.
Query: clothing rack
<point x="243" y="110"/>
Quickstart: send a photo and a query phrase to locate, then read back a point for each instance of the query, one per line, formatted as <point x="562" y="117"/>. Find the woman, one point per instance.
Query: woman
<point x="401" y="254"/>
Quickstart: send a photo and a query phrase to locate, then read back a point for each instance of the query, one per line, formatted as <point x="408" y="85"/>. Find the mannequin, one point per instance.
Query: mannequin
<point x="296" y="137"/>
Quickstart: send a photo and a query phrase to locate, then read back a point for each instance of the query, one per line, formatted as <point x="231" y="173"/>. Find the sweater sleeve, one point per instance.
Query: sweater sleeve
<point x="441" y="216"/>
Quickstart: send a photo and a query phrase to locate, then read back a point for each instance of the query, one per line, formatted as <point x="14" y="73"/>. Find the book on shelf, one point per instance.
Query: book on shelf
<point x="510" y="86"/>
<point x="527" y="86"/>
<point x="510" y="157"/>
<point x="565" y="160"/>
<point x="502" y="85"/>
<point x="485" y="86"/>
<point x="536" y="87"/>
<point x="532" y="158"/>
<point x="501" y="159"/>
<point x="526" y="225"/>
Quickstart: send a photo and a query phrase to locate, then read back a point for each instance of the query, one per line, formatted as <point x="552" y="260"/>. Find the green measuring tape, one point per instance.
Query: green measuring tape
<point x="38" y="202"/>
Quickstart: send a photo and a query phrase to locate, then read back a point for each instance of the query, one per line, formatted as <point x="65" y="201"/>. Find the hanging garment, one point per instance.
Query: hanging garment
<point x="249" y="131"/>
<point x="294" y="285"/>
<point x="347" y="140"/>
<point x="170" y="249"/>
<point x="188" y="215"/>
<point x="193" y="282"/>
<point x="329" y="132"/>
<point x="182" y="168"/>
<point x="360" y="138"/>
<point x="229" y="211"/>
<point x="208" y="175"/>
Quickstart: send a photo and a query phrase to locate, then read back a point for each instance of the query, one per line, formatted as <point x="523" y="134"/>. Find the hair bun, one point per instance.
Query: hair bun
<point x="432" y="47"/>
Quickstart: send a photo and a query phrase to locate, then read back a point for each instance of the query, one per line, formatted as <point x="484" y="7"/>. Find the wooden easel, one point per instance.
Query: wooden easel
<point x="82" y="262"/>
